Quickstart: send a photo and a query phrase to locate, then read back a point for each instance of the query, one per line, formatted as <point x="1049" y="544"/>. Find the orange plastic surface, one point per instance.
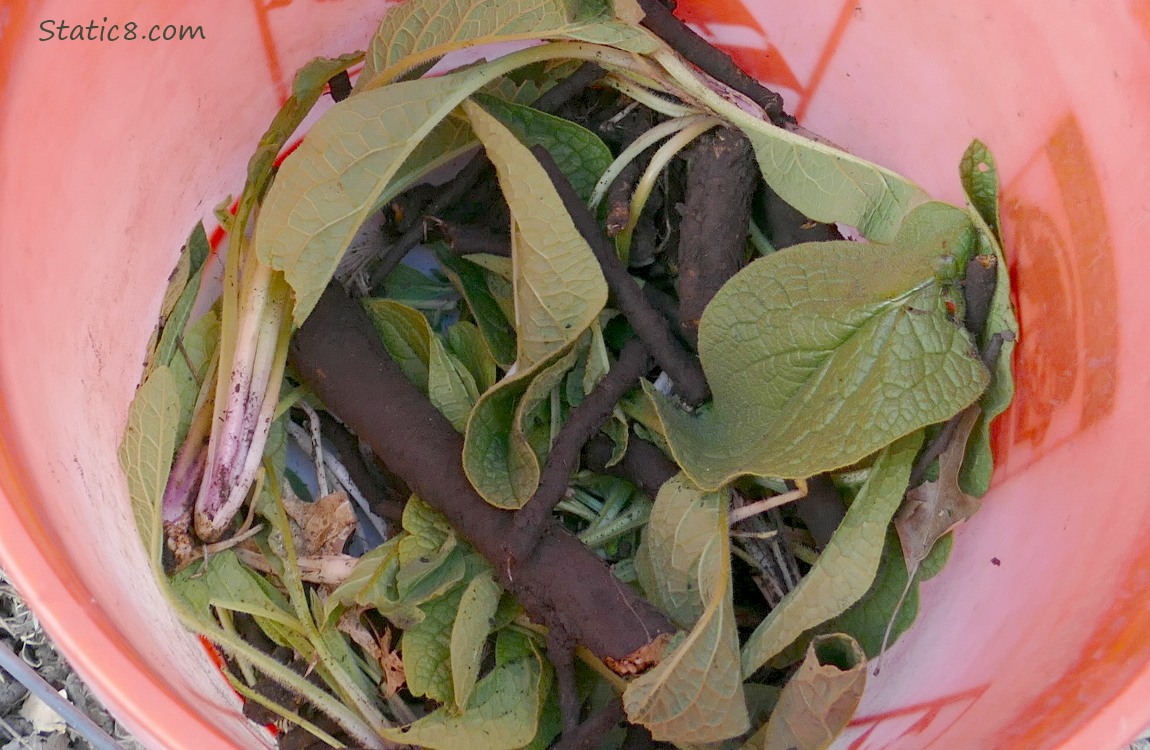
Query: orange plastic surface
<point x="110" y="151"/>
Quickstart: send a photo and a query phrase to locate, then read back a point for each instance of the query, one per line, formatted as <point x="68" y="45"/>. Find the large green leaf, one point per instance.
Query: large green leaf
<point x="146" y="453"/>
<point x="546" y="247"/>
<point x="804" y="346"/>
<point x="469" y="634"/>
<point x="695" y="694"/>
<point x="502" y="714"/>
<point x="418" y="31"/>
<point x="846" y="568"/>
<point x="326" y="188"/>
<point x="579" y="153"/>
<point x="499" y="455"/>
<point x="426" y="648"/>
<point x="223" y="581"/>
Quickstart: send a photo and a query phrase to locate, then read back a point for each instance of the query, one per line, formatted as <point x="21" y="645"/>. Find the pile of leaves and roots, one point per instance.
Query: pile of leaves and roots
<point x="546" y="404"/>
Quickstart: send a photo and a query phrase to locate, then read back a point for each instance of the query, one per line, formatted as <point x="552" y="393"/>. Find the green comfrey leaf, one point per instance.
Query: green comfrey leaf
<point x="846" y="568"/>
<point x="545" y="246"/>
<point x="580" y="154"/>
<point x="190" y="367"/>
<point x="224" y="582"/>
<point x="979" y="174"/>
<point x="495" y="327"/>
<point x="180" y="295"/>
<point x="379" y="564"/>
<point x="469" y="633"/>
<point x="822" y="182"/>
<point x="419" y="31"/>
<point x="146" y="452"/>
<point x="406" y="336"/>
<point x="326" y="188"/>
<point x="866" y="620"/>
<point x="804" y="345"/>
<point x="502" y="714"/>
<point x="465" y="341"/>
<point x="426" y="648"/>
<point x="695" y="694"/>
<point x="450" y="385"/>
<point x="982" y="192"/>
<point x="498" y="456"/>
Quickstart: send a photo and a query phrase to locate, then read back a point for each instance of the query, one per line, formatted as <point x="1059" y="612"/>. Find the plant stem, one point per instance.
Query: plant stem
<point x="655" y="167"/>
<point x="647" y="97"/>
<point x="638" y="146"/>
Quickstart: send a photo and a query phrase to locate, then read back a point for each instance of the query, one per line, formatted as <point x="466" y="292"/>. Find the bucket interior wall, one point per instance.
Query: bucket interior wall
<point x="1033" y="636"/>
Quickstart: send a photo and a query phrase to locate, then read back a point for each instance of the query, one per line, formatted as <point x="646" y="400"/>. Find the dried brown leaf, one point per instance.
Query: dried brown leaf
<point x="819" y="699"/>
<point x="324" y="526"/>
<point x="934" y="508"/>
<point x="378" y="648"/>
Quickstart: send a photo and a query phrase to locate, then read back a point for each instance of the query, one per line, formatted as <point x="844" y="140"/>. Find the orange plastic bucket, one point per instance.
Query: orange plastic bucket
<point x="1038" y="632"/>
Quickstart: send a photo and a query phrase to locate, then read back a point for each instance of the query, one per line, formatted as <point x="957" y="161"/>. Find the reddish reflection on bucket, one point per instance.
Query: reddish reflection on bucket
<point x="109" y="154"/>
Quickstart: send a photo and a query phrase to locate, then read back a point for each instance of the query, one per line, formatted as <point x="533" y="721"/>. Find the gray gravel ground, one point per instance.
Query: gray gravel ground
<point x="20" y="632"/>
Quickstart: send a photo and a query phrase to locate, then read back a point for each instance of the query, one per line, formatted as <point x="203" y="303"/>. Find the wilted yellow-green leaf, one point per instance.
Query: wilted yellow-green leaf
<point x="146" y="453"/>
<point x="469" y="633"/>
<point x="418" y="31"/>
<point x="819" y="699"/>
<point x="846" y="568"/>
<point x="695" y="694"/>
<point x="545" y="247"/>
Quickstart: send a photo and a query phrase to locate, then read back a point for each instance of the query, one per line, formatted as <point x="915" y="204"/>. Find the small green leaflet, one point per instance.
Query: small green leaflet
<point x="199" y="344"/>
<point x="847" y="567"/>
<point x="982" y="192"/>
<point x="181" y="294"/>
<point x="450" y="385"/>
<point x="797" y="358"/>
<point x="146" y="453"/>
<point x="471" y="280"/>
<point x="979" y="174"/>
<point x="465" y="341"/>
<point x="695" y="694"/>
<point x="426" y="648"/>
<point x="419" y="31"/>
<point x="406" y="336"/>
<point x="580" y="154"/>
<point x="469" y="633"/>
<point x="820" y="698"/>
<point x="546" y="246"/>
